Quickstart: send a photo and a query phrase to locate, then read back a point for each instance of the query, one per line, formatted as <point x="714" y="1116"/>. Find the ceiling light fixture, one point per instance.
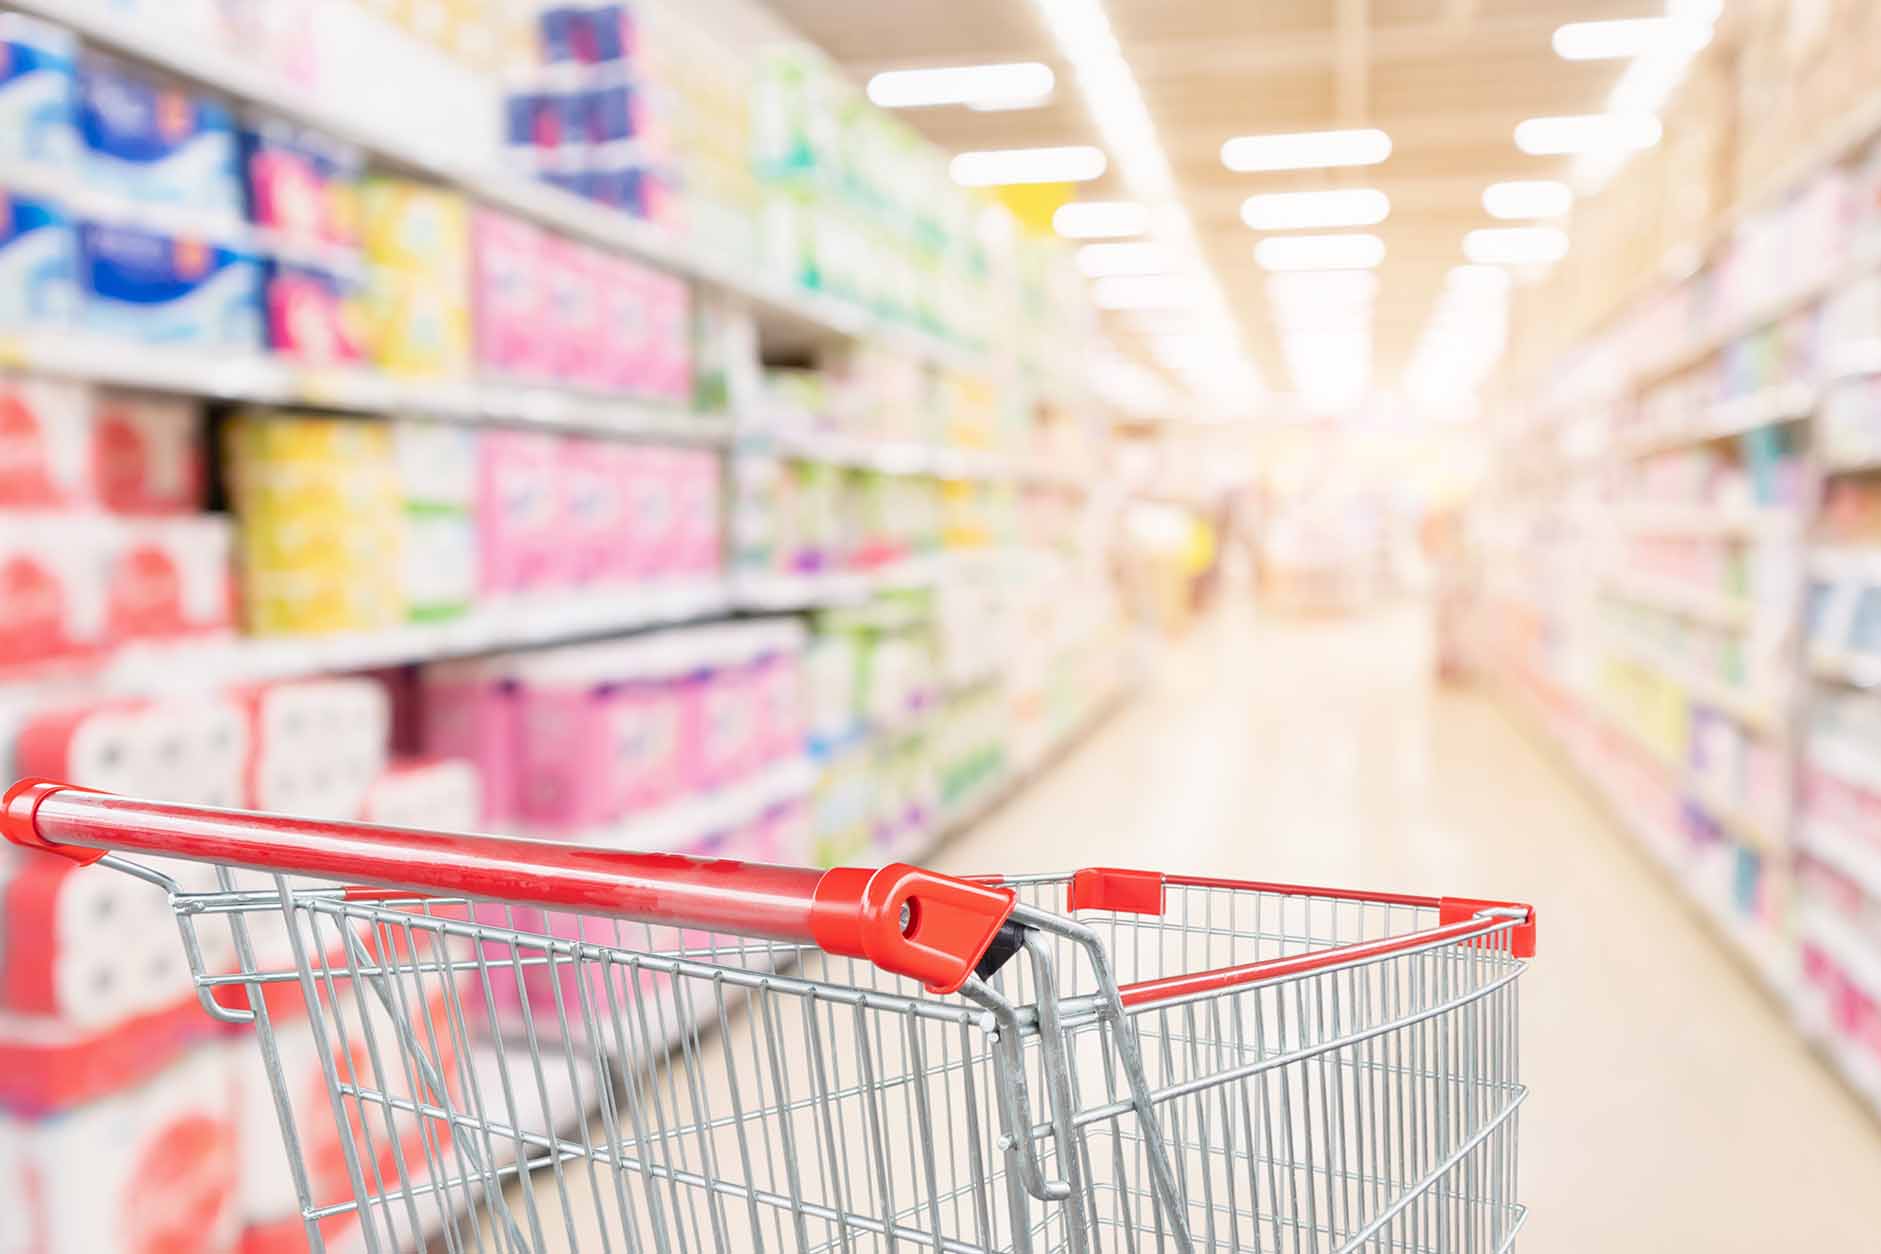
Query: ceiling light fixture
<point x="1097" y="261"/>
<point x="1515" y="246"/>
<point x="1101" y="219"/>
<point x="1649" y="82"/>
<point x="1081" y="30"/>
<point x="1627" y="37"/>
<point x="1144" y="291"/>
<point x="1305" y="150"/>
<point x="1008" y="167"/>
<point x="1587" y="132"/>
<point x="1320" y="252"/>
<point x="1018" y="84"/>
<point x="1527" y="198"/>
<point x="1289" y="211"/>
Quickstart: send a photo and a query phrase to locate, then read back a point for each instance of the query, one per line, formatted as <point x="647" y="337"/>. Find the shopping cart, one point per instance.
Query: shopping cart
<point x="525" y="1046"/>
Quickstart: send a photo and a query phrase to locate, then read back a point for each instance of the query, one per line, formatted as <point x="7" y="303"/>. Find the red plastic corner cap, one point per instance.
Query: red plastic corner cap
<point x="928" y="927"/>
<point x="19" y="819"/>
<point x="1107" y="888"/>
<point x="1521" y="936"/>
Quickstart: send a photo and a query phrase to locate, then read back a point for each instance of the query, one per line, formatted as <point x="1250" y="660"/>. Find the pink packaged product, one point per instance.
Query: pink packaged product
<point x="653" y="534"/>
<point x="471" y="712"/>
<point x="594" y="510"/>
<point x="626" y="323"/>
<point x="566" y="784"/>
<point x="513" y="332"/>
<point x="779" y="695"/>
<point x="651" y="764"/>
<point x="521" y="533"/>
<point x="695" y="546"/>
<point x="575" y="280"/>
<point x="312" y="315"/>
<point x="667" y="364"/>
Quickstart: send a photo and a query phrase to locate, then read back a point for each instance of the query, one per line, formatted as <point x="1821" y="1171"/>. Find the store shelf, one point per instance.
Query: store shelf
<point x="1675" y="597"/>
<point x="1860" y="861"/>
<point x="224" y="72"/>
<point x="1781" y="403"/>
<point x="182" y="667"/>
<point x="1754" y="710"/>
<point x="779" y="591"/>
<point x="268" y="380"/>
<point x="683" y="824"/>
<point x="1858" y="766"/>
<point x="1754" y="522"/>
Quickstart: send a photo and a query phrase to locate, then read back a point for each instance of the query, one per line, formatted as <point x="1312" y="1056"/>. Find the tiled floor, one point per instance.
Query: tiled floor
<point x="1673" y="1109"/>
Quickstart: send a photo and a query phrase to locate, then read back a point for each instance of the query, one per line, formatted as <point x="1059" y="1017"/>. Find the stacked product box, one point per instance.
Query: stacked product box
<point x="553" y="311"/>
<point x="304" y="201"/>
<point x="109" y="1058"/>
<point x="321" y="526"/>
<point x="437" y="474"/>
<point x="587" y="120"/>
<point x="100" y="544"/>
<point x="416" y="240"/>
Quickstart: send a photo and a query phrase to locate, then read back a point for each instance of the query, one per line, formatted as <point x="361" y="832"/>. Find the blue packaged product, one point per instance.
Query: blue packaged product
<point x="37" y="106"/>
<point x="165" y="288"/>
<point x="612" y="113"/>
<point x="38" y="268"/>
<point x="156" y="144"/>
<point x="610" y="32"/>
<point x="591" y="34"/>
<point x="559" y="28"/>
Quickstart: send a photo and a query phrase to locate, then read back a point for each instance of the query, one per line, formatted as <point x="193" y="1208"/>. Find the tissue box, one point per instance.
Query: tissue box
<point x="157" y="144"/>
<point x="593" y="508"/>
<point x="164" y="288"/>
<point x="313" y="315"/>
<point x="38" y="262"/>
<point x="38" y="105"/>
<point x="441" y="563"/>
<point x="513" y="334"/>
<point x="521" y="532"/>
<point x="435" y="794"/>
<point x="152" y="1168"/>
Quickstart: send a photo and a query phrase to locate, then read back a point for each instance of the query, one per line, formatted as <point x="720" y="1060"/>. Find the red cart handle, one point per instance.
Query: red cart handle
<point x="929" y="927"/>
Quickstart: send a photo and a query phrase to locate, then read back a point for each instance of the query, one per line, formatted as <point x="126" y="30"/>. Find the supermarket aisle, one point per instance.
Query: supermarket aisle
<point x="1672" y="1108"/>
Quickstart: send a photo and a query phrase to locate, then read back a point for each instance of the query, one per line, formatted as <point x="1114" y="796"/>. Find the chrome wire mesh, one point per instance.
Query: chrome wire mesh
<point x="460" y="1076"/>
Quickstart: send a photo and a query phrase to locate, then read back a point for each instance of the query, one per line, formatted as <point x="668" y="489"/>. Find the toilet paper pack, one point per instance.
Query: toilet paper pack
<point x="433" y="794"/>
<point x="43" y="450"/>
<point x="147" y="453"/>
<point x="471" y="711"/>
<point x="156" y="143"/>
<point x="159" y="286"/>
<point x="151" y="1170"/>
<point x="318" y="745"/>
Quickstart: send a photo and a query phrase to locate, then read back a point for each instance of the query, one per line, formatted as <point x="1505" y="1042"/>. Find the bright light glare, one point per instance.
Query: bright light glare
<point x="1015" y="85"/>
<point x="1475" y="278"/>
<point x="1096" y="261"/>
<point x="1307" y="150"/>
<point x="1587" y="132"/>
<point x="1626" y="37"/>
<point x="1101" y="219"/>
<point x="1320" y="252"/>
<point x="1143" y="291"/>
<point x="1289" y="211"/>
<point x="1006" y="167"/>
<point x="1515" y="246"/>
<point x="1527" y="198"/>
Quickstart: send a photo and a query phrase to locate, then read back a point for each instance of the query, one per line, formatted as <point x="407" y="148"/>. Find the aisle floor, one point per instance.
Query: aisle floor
<point x="1673" y="1108"/>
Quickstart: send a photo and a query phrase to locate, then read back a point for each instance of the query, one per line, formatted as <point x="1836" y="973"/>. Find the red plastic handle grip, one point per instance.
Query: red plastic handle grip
<point x="929" y="927"/>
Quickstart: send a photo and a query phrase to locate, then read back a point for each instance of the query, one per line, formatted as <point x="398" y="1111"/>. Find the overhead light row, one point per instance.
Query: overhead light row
<point x="1019" y="84"/>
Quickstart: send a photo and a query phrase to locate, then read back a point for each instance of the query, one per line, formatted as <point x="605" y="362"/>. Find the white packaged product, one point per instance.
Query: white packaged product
<point x="152" y="1170"/>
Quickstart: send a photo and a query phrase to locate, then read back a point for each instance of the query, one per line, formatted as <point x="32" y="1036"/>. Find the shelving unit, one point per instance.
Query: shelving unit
<point x="1698" y="716"/>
